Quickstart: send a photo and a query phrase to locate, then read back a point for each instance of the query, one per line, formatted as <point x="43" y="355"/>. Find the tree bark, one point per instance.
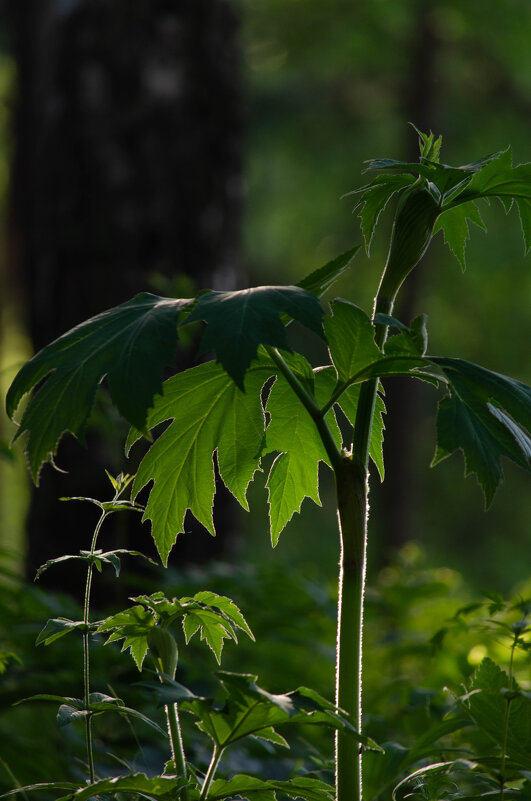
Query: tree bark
<point x="127" y="176"/>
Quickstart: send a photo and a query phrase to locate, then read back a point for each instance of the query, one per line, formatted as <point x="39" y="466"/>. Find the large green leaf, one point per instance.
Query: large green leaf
<point x="238" y="322"/>
<point x="486" y="415"/>
<point x="255" y="789"/>
<point x="250" y="710"/>
<point x="489" y="701"/>
<point x="209" y="413"/>
<point x="292" y="432"/>
<point x="131" y="344"/>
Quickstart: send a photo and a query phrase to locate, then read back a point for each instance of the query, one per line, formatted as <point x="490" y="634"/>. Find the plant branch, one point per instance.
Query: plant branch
<point x="86" y="650"/>
<point x="214" y="762"/>
<point x="310" y="404"/>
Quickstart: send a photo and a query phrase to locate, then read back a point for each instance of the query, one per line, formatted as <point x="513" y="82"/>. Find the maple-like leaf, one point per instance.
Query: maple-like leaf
<point x="238" y="322"/>
<point x="130" y="344"/>
<point x="209" y="413"/>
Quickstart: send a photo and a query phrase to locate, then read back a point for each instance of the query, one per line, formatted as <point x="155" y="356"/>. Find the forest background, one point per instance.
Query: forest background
<point x="163" y="146"/>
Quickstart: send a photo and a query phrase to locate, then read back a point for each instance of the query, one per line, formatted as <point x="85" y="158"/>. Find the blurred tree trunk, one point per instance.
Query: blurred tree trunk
<point x="127" y="173"/>
<point x="395" y="499"/>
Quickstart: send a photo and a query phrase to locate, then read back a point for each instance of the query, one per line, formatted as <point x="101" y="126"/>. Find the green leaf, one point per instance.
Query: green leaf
<point x="164" y="788"/>
<point x="294" y="473"/>
<point x="320" y="280"/>
<point x="486" y="703"/>
<point x="132" y="626"/>
<point x="58" y="627"/>
<point x="131" y="344"/>
<point x="209" y="413"/>
<point x="413" y="340"/>
<point x="238" y="322"/>
<point x="48" y="786"/>
<point x="213" y="616"/>
<point x="349" y="405"/>
<point x="259" y="790"/>
<point x="350" y="336"/>
<point x="374" y="198"/>
<point x="455" y="227"/>
<point x="486" y="416"/>
<point x="498" y="178"/>
<point x="249" y="710"/>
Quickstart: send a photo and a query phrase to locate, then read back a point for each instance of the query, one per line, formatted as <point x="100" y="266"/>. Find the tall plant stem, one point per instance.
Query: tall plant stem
<point x="352" y="504"/>
<point x="86" y="651"/>
<point x="177" y="748"/>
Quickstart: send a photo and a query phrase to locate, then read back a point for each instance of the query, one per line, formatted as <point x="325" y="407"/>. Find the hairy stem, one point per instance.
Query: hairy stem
<point x="309" y="403"/>
<point x="177" y="748"/>
<point x="352" y="504"/>
<point x="351" y="483"/>
<point x="214" y="762"/>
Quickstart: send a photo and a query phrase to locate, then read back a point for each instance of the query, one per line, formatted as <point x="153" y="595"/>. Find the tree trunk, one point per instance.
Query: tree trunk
<point x="127" y="176"/>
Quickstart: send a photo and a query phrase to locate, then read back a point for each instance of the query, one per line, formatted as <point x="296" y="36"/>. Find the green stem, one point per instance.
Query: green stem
<point x="214" y="762"/>
<point x="86" y="652"/>
<point x="309" y="403"/>
<point x="177" y="748"/>
<point x="352" y="503"/>
<point x="351" y="484"/>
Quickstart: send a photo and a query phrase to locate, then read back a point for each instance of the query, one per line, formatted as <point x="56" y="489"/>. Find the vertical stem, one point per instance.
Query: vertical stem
<point x="86" y="652"/>
<point x="352" y="504"/>
<point x="177" y="748"/>
<point x="351" y="483"/>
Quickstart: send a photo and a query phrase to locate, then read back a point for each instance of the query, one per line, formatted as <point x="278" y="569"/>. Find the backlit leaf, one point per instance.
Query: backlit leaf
<point x="294" y="473"/>
<point x="209" y="414"/>
<point x="350" y="336"/>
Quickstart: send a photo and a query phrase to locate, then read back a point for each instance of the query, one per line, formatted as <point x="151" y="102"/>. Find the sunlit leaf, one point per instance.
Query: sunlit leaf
<point x="294" y="473"/>
<point x="209" y="413"/>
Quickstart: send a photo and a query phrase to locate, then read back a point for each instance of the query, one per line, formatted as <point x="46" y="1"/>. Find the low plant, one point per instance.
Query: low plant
<point x="259" y="396"/>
